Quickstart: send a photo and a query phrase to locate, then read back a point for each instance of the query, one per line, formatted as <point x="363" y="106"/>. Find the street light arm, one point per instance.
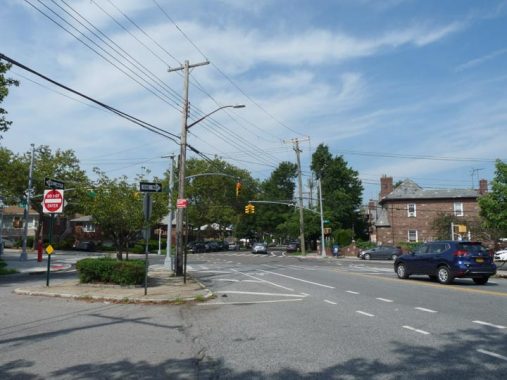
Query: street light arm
<point x="211" y="113"/>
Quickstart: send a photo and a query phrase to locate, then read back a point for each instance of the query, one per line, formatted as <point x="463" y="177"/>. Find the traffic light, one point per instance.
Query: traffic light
<point x="238" y="189"/>
<point x="247" y="209"/>
<point x="252" y="209"/>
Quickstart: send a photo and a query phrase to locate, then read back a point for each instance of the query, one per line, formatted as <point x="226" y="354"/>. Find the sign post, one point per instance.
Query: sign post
<point x="52" y="203"/>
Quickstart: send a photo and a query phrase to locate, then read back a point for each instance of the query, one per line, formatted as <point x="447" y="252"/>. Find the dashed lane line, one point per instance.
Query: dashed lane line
<point x="351" y="292"/>
<point x="416" y="330"/>
<point x="384" y="299"/>
<point x="364" y="313"/>
<point x="494" y="354"/>
<point x="489" y="324"/>
<point x="330" y="302"/>
<point x="426" y="310"/>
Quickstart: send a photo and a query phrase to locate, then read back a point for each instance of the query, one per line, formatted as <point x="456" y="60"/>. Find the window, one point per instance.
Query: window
<point x="411" y="210"/>
<point x="412" y="236"/>
<point x="458" y="208"/>
<point x="88" y="227"/>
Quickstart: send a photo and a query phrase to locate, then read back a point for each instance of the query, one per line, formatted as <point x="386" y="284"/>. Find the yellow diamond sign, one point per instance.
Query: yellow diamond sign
<point x="49" y="249"/>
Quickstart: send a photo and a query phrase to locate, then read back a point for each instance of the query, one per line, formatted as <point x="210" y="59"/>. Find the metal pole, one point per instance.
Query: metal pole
<point x="26" y="213"/>
<point x="49" y="244"/>
<point x="1" y="226"/>
<point x="301" y="213"/>
<point x="168" y="262"/>
<point x="322" y="244"/>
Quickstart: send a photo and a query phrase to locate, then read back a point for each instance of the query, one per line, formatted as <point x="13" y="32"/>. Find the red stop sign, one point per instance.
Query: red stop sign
<point x="53" y="201"/>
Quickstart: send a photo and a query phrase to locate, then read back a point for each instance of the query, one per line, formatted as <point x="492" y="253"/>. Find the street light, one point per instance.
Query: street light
<point x="181" y="180"/>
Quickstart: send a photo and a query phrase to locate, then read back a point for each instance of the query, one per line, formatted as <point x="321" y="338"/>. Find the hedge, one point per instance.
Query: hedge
<point x="112" y="271"/>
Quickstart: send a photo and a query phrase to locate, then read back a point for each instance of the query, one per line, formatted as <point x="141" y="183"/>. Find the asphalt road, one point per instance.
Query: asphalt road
<point x="274" y="317"/>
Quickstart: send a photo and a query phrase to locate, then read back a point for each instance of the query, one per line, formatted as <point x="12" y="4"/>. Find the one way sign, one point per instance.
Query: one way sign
<point x="150" y="187"/>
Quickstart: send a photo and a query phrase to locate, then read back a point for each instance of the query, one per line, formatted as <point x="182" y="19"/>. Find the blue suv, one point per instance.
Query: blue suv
<point x="445" y="260"/>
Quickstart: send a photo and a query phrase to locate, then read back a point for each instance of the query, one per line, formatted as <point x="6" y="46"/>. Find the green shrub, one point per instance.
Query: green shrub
<point x="109" y="270"/>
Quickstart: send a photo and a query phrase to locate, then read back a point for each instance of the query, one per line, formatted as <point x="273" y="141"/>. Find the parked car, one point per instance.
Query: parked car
<point x="85" y="245"/>
<point x="196" y="247"/>
<point x="293" y="246"/>
<point x="501" y="255"/>
<point x="233" y="246"/>
<point x="386" y="252"/>
<point x="445" y="260"/>
<point x="260" y="248"/>
<point x="8" y="243"/>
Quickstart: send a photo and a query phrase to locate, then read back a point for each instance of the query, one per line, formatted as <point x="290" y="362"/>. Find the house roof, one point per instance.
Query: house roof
<point x="15" y="210"/>
<point x="408" y="189"/>
<point x="86" y="218"/>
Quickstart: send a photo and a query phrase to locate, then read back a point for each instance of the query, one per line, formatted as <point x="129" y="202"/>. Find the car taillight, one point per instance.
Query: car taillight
<point x="461" y="253"/>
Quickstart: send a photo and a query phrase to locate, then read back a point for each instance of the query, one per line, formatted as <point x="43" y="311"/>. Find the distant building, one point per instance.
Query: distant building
<point x="13" y="222"/>
<point x="406" y="213"/>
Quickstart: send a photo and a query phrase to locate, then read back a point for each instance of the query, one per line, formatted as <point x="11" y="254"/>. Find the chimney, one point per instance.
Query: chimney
<point x="483" y="186"/>
<point x="386" y="186"/>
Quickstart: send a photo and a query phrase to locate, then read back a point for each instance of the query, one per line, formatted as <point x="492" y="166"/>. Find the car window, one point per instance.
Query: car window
<point x="421" y="250"/>
<point x="472" y="248"/>
<point x="437" y="247"/>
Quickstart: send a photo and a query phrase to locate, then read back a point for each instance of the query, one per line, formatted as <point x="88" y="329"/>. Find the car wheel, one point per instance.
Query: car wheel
<point x="481" y="280"/>
<point x="394" y="257"/>
<point x="444" y="275"/>
<point x="401" y="271"/>
<point x="367" y="257"/>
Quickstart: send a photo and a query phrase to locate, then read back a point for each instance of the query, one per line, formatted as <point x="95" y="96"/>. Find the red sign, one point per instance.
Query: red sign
<point x="52" y="202"/>
<point x="181" y="203"/>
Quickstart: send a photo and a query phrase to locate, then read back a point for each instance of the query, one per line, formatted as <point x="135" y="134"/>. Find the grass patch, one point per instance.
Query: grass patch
<point x="4" y="270"/>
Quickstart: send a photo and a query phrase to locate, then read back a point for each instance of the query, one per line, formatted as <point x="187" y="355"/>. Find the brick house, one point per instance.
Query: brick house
<point x="406" y="213"/>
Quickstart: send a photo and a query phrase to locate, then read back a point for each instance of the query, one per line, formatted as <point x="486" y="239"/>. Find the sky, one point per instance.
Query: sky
<point x="403" y="88"/>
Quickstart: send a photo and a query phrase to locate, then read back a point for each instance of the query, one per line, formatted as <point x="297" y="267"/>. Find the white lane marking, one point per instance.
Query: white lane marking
<point x="259" y="293"/>
<point x="227" y="279"/>
<point x="416" y="330"/>
<point x="264" y="281"/>
<point x="489" y="324"/>
<point x="190" y="268"/>
<point x="494" y="354"/>
<point x="426" y="310"/>
<point x="299" y="267"/>
<point x="211" y="271"/>
<point x="243" y="303"/>
<point x="351" y="292"/>
<point x="331" y="302"/>
<point x="384" y="300"/>
<point x="204" y="267"/>
<point x="298" y="279"/>
<point x="364" y="313"/>
<point x="305" y="294"/>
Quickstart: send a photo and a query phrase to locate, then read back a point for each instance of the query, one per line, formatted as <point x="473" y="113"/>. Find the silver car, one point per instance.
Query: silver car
<point x="260" y="248"/>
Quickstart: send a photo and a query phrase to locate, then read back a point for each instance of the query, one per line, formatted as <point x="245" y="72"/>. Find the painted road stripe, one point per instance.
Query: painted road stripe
<point x="494" y="354"/>
<point x="426" y="310"/>
<point x="259" y="293"/>
<point x="298" y="279"/>
<point x="211" y="271"/>
<point x="489" y="324"/>
<point x="364" y="313"/>
<point x="331" y="302"/>
<point x="227" y="279"/>
<point x="264" y="281"/>
<point x="351" y="292"/>
<point x="246" y="303"/>
<point x="384" y="300"/>
<point x="416" y="330"/>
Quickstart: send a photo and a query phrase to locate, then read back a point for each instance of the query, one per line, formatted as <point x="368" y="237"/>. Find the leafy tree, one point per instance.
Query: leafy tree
<point x="211" y="191"/>
<point x="279" y="187"/>
<point x="5" y="83"/>
<point x="494" y="204"/>
<point x="341" y="189"/>
<point x="117" y="207"/>
<point x="60" y="164"/>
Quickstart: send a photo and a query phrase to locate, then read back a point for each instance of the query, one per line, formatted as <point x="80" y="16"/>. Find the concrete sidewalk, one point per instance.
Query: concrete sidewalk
<point x="162" y="288"/>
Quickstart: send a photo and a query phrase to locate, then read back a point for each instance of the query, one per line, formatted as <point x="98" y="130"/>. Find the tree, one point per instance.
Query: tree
<point x="116" y="206"/>
<point x="341" y="188"/>
<point x="5" y="83"/>
<point x="493" y="205"/>
<point x="60" y="164"/>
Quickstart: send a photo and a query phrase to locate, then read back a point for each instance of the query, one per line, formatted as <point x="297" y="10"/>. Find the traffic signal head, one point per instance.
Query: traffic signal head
<point x="238" y="189"/>
<point x="252" y="209"/>
<point x="247" y="209"/>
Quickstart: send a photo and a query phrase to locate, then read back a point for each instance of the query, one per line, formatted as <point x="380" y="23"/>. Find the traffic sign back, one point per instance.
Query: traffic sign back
<point x="150" y="187"/>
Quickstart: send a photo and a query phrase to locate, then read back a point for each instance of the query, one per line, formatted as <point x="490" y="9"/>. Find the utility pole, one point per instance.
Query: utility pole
<point x="168" y="262"/>
<point x="322" y="237"/>
<point x="26" y="213"/>
<point x="181" y="165"/>
<point x="300" y="186"/>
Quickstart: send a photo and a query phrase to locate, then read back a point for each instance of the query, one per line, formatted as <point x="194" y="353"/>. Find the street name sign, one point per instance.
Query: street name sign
<point x="54" y="183"/>
<point x="150" y="187"/>
<point x="52" y="203"/>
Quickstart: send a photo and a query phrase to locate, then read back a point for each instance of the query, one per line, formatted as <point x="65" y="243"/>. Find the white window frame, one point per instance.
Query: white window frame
<point x="411" y="214"/>
<point x="88" y="227"/>
<point x="458" y="209"/>
<point x="416" y="236"/>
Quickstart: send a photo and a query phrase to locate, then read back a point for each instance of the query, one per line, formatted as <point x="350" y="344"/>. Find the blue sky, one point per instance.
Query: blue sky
<point x="383" y="83"/>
